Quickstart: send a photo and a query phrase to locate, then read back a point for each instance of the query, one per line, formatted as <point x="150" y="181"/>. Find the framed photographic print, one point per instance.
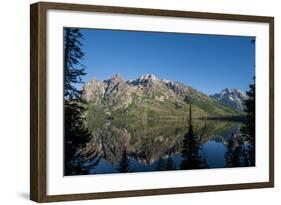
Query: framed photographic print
<point x="134" y="102"/>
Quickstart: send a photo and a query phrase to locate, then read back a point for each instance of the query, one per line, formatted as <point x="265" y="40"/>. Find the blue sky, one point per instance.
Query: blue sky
<point x="208" y="63"/>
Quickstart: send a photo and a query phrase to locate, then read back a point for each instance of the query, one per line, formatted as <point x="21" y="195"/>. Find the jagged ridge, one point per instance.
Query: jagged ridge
<point x="149" y="97"/>
<point x="232" y="97"/>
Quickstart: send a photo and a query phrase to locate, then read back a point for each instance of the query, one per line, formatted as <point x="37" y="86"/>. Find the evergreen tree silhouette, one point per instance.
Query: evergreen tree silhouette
<point x="124" y="164"/>
<point x="165" y="165"/>
<point x="191" y="148"/>
<point x="235" y="155"/>
<point x="160" y="166"/>
<point x="170" y="165"/>
<point x="76" y="134"/>
<point x="248" y="129"/>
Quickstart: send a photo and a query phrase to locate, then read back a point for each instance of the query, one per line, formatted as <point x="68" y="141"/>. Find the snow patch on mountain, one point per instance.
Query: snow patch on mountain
<point x="232" y="97"/>
<point x="148" y="76"/>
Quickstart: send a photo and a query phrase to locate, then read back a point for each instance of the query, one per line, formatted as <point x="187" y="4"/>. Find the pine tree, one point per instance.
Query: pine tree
<point x="170" y="165"/>
<point x="73" y="69"/>
<point x="75" y="132"/>
<point x="124" y="163"/>
<point x="160" y="166"/>
<point x="235" y="155"/>
<point x="248" y="129"/>
<point x="229" y="154"/>
<point x="191" y="148"/>
<point x="165" y="165"/>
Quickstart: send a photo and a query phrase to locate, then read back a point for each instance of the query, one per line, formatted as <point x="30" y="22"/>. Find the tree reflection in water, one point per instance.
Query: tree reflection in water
<point x="165" y="165"/>
<point x="236" y="155"/>
<point x="134" y="146"/>
<point x="191" y="152"/>
<point x="124" y="164"/>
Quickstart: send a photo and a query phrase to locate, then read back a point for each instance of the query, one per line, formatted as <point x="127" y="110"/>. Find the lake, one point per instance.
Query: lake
<point x="136" y="146"/>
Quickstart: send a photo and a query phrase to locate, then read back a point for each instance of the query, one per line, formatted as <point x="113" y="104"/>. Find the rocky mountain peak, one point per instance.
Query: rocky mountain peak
<point x="148" y="77"/>
<point x="115" y="78"/>
<point x="232" y="97"/>
<point x="230" y="90"/>
<point x="147" y="80"/>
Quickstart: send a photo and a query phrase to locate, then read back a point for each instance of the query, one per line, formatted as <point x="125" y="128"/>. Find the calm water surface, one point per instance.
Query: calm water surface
<point x="157" y="146"/>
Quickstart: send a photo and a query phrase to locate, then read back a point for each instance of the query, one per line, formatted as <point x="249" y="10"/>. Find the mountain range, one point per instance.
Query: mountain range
<point x="232" y="97"/>
<point x="149" y="97"/>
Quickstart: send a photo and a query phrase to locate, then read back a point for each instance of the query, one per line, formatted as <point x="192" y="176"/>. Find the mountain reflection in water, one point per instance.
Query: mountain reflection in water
<point x="158" y="146"/>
